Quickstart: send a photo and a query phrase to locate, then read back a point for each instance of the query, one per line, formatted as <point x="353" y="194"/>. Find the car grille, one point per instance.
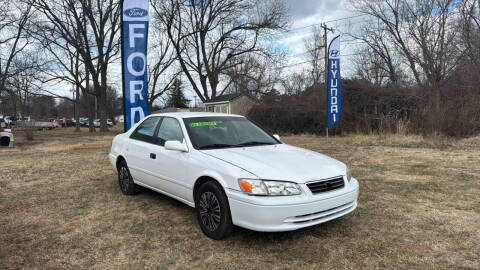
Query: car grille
<point x="323" y="215"/>
<point x="326" y="185"/>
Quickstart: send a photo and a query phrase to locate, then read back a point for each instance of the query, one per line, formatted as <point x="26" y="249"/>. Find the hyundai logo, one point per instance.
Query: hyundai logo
<point x="135" y="12"/>
<point x="334" y="53"/>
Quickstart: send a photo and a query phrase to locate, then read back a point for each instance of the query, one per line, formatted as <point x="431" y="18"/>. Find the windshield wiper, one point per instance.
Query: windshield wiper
<point x="252" y="143"/>
<point x="216" y="145"/>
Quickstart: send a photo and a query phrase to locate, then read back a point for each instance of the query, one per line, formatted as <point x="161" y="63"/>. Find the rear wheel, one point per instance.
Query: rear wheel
<point x="213" y="211"/>
<point x="125" y="180"/>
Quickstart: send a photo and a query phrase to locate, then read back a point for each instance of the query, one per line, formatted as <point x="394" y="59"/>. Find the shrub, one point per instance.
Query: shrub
<point x="450" y="109"/>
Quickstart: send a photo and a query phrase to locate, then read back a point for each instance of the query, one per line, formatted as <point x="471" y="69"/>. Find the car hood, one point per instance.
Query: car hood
<point x="281" y="162"/>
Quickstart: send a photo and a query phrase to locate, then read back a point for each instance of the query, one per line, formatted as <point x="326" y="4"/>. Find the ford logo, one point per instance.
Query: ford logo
<point x="135" y="12"/>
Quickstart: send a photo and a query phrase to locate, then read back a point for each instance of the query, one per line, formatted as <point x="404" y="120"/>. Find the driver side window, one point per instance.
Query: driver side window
<point x="145" y="130"/>
<point x="169" y="130"/>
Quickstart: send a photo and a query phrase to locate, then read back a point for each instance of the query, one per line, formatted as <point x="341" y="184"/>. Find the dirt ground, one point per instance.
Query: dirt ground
<point x="419" y="208"/>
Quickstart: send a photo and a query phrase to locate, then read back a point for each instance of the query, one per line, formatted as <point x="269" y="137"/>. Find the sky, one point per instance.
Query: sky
<point x="307" y="14"/>
<point x="304" y="14"/>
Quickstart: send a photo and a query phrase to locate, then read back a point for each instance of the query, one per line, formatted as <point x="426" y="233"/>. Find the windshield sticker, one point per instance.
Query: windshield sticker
<point x="203" y="124"/>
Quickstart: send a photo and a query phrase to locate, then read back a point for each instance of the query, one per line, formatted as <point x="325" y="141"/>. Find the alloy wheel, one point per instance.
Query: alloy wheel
<point x="124" y="178"/>
<point x="210" y="211"/>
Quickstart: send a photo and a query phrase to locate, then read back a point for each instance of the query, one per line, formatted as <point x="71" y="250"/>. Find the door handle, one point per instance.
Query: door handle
<point x="153" y="156"/>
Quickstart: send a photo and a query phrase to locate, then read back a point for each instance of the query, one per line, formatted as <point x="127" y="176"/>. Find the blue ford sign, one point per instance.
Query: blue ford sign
<point x="134" y="60"/>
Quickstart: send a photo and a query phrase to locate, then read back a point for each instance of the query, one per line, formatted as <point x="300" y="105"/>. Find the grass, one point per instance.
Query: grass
<point x="419" y="208"/>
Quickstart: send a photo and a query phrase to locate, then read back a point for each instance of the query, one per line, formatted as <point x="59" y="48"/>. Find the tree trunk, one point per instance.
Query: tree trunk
<point x="77" y="104"/>
<point x="103" y="110"/>
<point x="91" y="114"/>
<point x="103" y="100"/>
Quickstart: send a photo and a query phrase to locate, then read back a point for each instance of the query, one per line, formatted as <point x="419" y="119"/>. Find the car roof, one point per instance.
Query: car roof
<point x="196" y="114"/>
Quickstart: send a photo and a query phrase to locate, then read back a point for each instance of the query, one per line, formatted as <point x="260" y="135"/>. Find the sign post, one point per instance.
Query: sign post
<point x="334" y="84"/>
<point x="134" y="60"/>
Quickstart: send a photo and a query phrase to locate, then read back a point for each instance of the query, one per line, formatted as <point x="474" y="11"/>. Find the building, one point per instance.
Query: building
<point x="238" y="103"/>
<point x="172" y="109"/>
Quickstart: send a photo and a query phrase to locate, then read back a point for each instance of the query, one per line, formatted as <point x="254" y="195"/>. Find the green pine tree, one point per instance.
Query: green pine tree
<point x="176" y="97"/>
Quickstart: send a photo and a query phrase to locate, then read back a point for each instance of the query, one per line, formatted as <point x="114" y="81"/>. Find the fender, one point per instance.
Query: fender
<point x="212" y="174"/>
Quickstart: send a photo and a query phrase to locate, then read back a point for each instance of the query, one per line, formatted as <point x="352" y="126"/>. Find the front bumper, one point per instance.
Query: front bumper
<point x="272" y="214"/>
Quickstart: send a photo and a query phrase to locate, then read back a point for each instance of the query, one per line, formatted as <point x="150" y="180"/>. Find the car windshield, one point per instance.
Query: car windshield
<point x="225" y="132"/>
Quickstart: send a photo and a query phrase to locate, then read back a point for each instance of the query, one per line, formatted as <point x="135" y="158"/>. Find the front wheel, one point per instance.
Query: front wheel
<point x="213" y="211"/>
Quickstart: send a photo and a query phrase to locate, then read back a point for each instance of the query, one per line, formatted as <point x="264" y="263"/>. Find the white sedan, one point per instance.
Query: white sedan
<point x="232" y="172"/>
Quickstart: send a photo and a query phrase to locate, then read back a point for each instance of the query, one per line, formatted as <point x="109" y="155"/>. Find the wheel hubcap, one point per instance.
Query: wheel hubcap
<point x="210" y="211"/>
<point x="124" y="178"/>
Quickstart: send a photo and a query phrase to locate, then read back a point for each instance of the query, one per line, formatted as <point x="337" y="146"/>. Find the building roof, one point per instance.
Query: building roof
<point x="227" y="97"/>
<point x="173" y="109"/>
<point x="195" y="114"/>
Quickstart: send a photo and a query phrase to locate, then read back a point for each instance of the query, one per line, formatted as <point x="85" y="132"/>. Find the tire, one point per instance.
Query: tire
<point x="125" y="181"/>
<point x="213" y="211"/>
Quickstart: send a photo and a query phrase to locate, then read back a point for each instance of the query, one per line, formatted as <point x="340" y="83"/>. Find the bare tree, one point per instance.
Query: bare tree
<point x="420" y="31"/>
<point x="65" y="65"/>
<point x="210" y="35"/>
<point x="295" y="83"/>
<point x="380" y="57"/>
<point x="370" y="66"/>
<point x="469" y="30"/>
<point x="253" y="75"/>
<point x="316" y="55"/>
<point x="25" y="83"/>
<point x="91" y="28"/>
<point x="14" y="18"/>
<point x="162" y="73"/>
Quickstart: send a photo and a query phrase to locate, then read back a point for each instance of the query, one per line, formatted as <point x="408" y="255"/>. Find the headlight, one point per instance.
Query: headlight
<point x="270" y="188"/>
<point x="349" y="175"/>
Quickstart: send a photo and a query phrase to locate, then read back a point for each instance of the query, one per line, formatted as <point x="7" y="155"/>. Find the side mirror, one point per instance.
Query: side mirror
<point x="276" y="136"/>
<point x="175" y="146"/>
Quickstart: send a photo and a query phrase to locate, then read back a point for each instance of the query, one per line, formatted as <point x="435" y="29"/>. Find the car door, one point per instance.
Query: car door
<point x="139" y="149"/>
<point x="172" y="166"/>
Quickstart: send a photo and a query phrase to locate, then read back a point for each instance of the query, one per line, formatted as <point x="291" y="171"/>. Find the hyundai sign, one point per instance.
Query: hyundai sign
<point x="334" y="84"/>
<point x="134" y="60"/>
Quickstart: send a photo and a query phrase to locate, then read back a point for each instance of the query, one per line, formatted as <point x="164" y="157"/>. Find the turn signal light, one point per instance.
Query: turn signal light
<point x="245" y="186"/>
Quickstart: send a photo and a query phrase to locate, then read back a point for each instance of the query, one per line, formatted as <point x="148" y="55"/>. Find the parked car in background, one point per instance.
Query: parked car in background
<point x="97" y="123"/>
<point x="9" y="120"/>
<point x="232" y="172"/>
<point x="44" y="125"/>
<point x="70" y="123"/>
<point x="54" y="122"/>
<point x="61" y="122"/>
<point x="83" y="121"/>
<point x="6" y="135"/>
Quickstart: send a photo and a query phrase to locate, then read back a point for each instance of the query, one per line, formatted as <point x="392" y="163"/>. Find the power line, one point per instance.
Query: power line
<point x="312" y="25"/>
<point x="346" y="18"/>
<point x="318" y="59"/>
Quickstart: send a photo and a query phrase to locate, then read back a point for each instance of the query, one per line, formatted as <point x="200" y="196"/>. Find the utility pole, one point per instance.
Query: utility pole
<point x="325" y="41"/>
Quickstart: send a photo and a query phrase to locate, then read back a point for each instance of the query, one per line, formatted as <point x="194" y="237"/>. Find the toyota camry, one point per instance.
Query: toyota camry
<point x="232" y="172"/>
